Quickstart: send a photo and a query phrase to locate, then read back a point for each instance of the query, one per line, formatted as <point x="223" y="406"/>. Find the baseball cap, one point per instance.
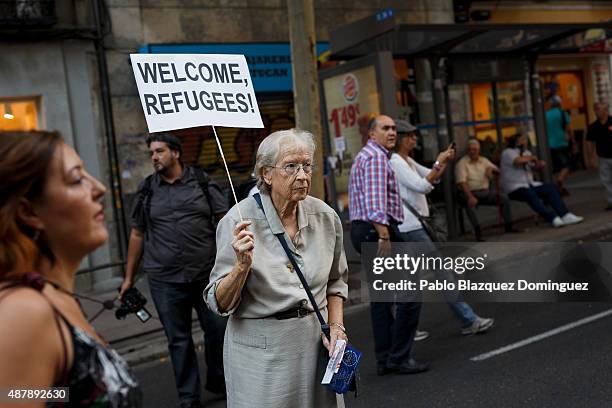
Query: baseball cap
<point x="403" y="126"/>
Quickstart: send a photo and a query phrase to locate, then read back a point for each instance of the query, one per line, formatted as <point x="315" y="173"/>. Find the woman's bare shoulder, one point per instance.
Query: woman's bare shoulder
<point x="31" y="353"/>
<point x="26" y="314"/>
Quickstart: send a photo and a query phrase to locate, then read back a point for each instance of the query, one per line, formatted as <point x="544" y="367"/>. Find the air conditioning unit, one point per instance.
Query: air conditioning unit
<point x="27" y="13"/>
<point x="28" y="9"/>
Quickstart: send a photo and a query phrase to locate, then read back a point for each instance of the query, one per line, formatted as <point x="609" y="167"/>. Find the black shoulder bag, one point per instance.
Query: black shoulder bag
<point x="430" y="229"/>
<point x="346" y="378"/>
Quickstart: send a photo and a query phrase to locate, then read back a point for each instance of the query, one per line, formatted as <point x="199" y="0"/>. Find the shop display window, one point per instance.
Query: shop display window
<point x="513" y="115"/>
<point x="18" y="114"/>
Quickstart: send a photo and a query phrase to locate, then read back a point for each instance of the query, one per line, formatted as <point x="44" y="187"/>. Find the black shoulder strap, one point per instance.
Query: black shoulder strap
<point x="413" y="211"/>
<point x="203" y="180"/>
<point x="563" y="119"/>
<point x="144" y="204"/>
<point x="422" y="220"/>
<point x="298" y="271"/>
<point x="142" y="193"/>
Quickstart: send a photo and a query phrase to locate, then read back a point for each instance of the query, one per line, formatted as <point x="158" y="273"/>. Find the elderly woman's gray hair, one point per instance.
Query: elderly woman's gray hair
<point x="277" y="143"/>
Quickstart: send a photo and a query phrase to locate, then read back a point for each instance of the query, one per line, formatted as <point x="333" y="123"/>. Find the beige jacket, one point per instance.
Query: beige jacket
<point x="272" y="286"/>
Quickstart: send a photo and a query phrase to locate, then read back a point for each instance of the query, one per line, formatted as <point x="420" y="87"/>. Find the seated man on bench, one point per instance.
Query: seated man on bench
<point x="473" y="173"/>
<point x="518" y="183"/>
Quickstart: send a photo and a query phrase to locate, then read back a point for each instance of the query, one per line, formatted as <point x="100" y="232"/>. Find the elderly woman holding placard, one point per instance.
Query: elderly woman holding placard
<point x="274" y="352"/>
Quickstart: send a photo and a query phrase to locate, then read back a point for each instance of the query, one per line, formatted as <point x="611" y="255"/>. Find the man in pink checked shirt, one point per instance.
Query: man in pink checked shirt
<point x="375" y="210"/>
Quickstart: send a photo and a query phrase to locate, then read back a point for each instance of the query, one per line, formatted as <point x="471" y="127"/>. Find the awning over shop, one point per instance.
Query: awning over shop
<point x="423" y="40"/>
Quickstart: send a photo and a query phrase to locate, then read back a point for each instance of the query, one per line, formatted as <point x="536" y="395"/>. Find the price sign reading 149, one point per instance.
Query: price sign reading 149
<point x="346" y="116"/>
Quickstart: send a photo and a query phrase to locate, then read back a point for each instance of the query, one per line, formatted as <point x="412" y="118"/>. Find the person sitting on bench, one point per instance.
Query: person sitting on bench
<point x="517" y="165"/>
<point x="473" y="173"/>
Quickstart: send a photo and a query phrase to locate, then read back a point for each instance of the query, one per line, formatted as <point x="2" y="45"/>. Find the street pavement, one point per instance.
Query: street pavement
<point x="140" y="342"/>
<point x="569" y="369"/>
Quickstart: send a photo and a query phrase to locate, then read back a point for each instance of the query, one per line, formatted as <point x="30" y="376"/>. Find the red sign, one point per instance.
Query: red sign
<point x="345" y="116"/>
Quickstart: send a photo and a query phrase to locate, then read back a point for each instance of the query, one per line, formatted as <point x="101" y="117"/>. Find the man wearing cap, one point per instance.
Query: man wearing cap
<point x="559" y="138"/>
<point x="375" y="210"/>
<point x="473" y="174"/>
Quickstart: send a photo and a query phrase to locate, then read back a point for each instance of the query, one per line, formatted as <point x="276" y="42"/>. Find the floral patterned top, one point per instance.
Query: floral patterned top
<point x="99" y="376"/>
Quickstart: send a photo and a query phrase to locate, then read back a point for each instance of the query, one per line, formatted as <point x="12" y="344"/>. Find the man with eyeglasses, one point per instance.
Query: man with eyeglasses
<point x="375" y="210"/>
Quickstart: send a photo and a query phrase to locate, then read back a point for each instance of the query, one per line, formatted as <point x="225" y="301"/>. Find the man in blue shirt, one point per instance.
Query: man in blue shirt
<point x="559" y="137"/>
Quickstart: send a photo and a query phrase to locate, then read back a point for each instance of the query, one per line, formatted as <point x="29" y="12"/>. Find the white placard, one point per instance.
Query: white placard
<point x="187" y="90"/>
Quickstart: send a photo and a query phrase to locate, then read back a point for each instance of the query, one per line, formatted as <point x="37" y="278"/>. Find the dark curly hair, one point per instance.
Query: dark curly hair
<point x="173" y="142"/>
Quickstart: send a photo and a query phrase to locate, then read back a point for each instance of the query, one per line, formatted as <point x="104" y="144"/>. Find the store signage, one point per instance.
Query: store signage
<point x="351" y="99"/>
<point x="269" y="63"/>
<point x="182" y="91"/>
<point x="350" y="87"/>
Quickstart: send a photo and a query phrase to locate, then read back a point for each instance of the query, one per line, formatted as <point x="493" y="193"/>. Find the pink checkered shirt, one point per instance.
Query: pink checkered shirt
<point x="373" y="189"/>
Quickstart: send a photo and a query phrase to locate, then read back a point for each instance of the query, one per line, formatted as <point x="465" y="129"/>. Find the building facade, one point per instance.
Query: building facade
<point x="51" y="75"/>
<point x="49" y="80"/>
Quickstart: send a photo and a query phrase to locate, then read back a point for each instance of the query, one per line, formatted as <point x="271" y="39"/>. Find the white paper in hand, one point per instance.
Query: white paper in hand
<point x="334" y="362"/>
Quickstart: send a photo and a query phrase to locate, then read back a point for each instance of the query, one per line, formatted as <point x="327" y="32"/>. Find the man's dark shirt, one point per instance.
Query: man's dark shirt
<point x="602" y="136"/>
<point x="180" y="243"/>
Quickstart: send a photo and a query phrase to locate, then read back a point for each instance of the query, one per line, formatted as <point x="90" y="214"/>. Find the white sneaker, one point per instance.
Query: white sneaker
<point x="480" y="325"/>
<point x="570" y="218"/>
<point x="558" y="222"/>
<point x="421" y="335"/>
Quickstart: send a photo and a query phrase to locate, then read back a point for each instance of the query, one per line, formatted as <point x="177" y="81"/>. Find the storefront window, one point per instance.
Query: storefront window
<point x="513" y="111"/>
<point x="513" y="115"/>
<point x="461" y="115"/>
<point x="19" y="114"/>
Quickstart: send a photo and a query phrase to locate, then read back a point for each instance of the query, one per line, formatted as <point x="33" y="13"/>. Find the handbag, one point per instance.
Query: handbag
<point x="345" y="379"/>
<point x="431" y="229"/>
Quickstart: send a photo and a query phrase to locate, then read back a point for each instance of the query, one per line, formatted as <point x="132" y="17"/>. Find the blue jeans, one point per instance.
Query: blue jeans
<point x="538" y="197"/>
<point x="459" y="307"/>
<point x="174" y="303"/>
<point x="393" y="334"/>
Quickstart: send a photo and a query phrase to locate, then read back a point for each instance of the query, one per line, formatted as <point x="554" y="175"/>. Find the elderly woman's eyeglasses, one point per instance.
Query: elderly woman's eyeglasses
<point x="292" y="169"/>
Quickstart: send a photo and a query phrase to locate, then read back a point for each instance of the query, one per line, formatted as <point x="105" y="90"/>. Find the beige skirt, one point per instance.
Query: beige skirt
<point x="276" y="363"/>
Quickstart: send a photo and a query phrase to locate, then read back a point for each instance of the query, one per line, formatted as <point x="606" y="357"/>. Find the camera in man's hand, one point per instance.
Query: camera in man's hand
<point x="133" y="302"/>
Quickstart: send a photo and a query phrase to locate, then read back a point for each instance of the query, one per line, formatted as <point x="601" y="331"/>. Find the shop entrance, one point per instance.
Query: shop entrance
<point x="570" y="86"/>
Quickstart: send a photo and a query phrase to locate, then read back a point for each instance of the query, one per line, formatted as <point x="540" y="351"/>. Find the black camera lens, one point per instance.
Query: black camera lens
<point x="133" y="302"/>
<point x="121" y="313"/>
